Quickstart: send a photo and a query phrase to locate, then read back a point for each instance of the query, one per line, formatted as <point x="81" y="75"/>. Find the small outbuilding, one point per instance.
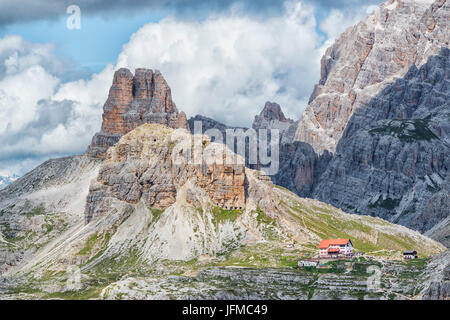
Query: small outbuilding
<point x="410" y="255"/>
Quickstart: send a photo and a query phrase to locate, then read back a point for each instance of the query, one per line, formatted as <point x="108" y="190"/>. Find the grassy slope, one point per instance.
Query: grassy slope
<point x="368" y="234"/>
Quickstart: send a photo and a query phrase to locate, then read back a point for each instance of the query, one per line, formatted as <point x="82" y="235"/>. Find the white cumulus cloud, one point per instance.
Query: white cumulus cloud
<point x="40" y="116"/>
<point x="228" y="66"/>
<point x="225" y="67"/>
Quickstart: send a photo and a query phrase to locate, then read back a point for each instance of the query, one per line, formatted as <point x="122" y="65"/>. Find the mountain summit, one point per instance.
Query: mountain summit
<point x="149" y="215"/>
<point x="144" y="97"/>
<point x="272" y="112"/>
<point x="367" y="58"/>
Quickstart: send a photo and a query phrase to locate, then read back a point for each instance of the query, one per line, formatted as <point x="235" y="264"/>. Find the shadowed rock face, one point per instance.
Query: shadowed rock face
<point x="299" y="166"/>
<point x="134" y="100"/>
<point x="367" y="58"/>
<point x="209" y="123"/>
<point x="381" y="107"/>
<point x="393" y="160"/>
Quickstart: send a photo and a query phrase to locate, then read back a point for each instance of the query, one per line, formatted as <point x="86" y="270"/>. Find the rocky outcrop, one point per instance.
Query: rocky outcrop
<point x="273" y="118"/>
<point x="147" y="206"/>
<point x="50" y="174"/>
<point x="366" y="59"/>
<point x="182" y="122"/>
<point x="399" y="282"/>
<point x="211" y="127"/>
<point x="141" y="166"/>
<point x="377" y="121"/>
<point x="383" y="95"/>
<point x="440" y="231"/>
<point x="144" y="97"/>
<point x="6" y="180"/>
<point x="297" y="164"/>
<point x="300" y="167"/>
<point x="270" y="114"/>
<point x="153" y="210"/>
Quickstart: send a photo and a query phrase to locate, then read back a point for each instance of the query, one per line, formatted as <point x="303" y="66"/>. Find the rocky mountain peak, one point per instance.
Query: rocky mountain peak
<point x="144" y="97"/>
<point x="368" y="57"/>
<point x="272" y="111"/>
<point x="273" y="118"/>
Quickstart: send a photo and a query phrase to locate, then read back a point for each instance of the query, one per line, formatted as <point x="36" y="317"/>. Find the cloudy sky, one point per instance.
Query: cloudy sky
<point x="222" y="59"/>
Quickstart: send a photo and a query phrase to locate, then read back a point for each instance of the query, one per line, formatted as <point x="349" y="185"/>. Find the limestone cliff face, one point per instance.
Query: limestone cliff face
<point x="393" y="160"/>
<point x="366" y="59"/>
<point x="41" y="205"/>
<point x="381" y="109"/>
<point x="299" y="165"/>
<point x="208" y="123"/>
<point x="141" y="166"/>
<point x="144" y="97"/>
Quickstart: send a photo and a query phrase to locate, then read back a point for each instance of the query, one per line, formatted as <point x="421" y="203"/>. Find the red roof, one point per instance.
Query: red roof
<point x="324" y="244"/>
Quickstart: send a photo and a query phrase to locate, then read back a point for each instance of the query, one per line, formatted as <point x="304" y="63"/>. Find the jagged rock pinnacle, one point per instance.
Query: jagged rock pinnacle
<point x="144" y="97"/>
<point x="272" y="111"/>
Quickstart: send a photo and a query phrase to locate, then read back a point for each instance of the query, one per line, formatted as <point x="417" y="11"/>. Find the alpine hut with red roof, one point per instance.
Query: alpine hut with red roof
<point x="333" y="248"/>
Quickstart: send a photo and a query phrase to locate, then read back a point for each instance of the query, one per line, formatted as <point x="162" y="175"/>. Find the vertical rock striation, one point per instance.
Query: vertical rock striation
<point x="393" y="160"/>
<point x="381" y="108"/>
<point x="366" y="59"/>
<point x="299" y="165"/>
<point x="144" y="97"/>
